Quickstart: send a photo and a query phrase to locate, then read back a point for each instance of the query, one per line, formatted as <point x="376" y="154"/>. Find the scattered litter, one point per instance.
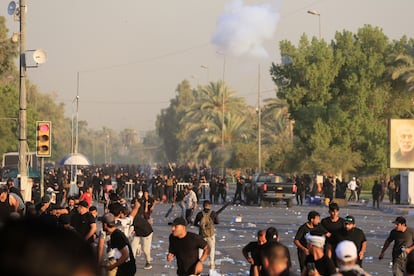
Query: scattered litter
<point x="213" y="272"/>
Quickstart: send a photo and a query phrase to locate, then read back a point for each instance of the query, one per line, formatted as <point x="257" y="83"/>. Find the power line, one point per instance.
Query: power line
<point x="174" y="53"/>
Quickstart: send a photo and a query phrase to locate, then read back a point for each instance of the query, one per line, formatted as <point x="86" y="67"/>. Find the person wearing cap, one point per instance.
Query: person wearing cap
<point x="43" y="206"/>
<point x="346" y="257"/>
<point x="317" y="262"/>
<point x="334" y="225"/>
<point x="84" y="222"/>
<point x="185" y="246"/>
<point x="190" y="202"/>
<point x="356" y="235"/>
<point x="123" y="258"/>
<point x="300" y="240"/>
<point x="403" y="238"/>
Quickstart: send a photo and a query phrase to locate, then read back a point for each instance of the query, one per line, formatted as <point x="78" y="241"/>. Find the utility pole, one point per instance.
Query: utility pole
<point x="259" y="134"/>
<point x="23" y="164"/>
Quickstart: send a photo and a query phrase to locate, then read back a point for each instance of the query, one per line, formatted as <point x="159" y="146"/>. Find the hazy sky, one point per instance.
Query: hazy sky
<point x="132" y="54"/>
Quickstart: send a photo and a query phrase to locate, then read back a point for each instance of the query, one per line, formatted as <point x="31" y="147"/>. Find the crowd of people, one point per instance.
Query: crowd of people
<point x="328" y="246"/>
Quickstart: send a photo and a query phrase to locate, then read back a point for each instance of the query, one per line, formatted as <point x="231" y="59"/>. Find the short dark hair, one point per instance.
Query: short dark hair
<point x="313" y="214"/>
<point x="333" y="206"/>
<point x="206" y="202"/>
<point x="275" y="251"/>
<point x="271" y="234"/>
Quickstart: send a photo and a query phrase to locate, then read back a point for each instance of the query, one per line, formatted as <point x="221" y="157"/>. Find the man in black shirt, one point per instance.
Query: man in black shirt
<point x="83" y="222"/>
<point x="403" y="238"/>
<point x="125" y="263"/>
<point x="184" y="247"/>
<point x="356" y="235"/>
<point x="143" y="238"/>
<point x="300" y="240"/>
<point x="333" y="224"/>
<point x="252" y="252"/>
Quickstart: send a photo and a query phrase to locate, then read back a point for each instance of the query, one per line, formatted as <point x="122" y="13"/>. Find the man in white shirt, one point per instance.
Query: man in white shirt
<point x="190" y="201"/>
<point x="124" y="221"/>
<point x="352" y="185"/>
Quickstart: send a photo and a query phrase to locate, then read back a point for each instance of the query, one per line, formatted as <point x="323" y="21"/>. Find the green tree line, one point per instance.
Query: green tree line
<point x="329" y="112"/>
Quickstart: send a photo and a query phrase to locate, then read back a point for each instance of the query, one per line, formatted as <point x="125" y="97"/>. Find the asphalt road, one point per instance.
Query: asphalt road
<point x="231" y="236"/>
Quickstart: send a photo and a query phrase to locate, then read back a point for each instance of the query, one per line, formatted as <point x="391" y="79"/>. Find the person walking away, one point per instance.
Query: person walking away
<point x="346" y="257"/>
<point x="391" y="190"/>
<point x="356" y="235"/>
<point x="376" y="194"/>
<point x="213" y="190"/>
<point x="125" y="261"/>
<point x="352" y="186"/>
<point x="317" y="263"/>
<point x="205" y="220"/>
<point x="300" y="238"/>
<point x="222" y="191"/>
<point x="403" y="238"/>
<point x="383" y="188"/>
<point x="252" y="252"/>
<point x="300" y="190"/>
<point x="184" y="247"/>
<point x="142" y="240"/>
<point x="359" y="187"/>
<point x="328" y="189"/>
<point x="190" y="202"/>
<point x="239" y="188"/>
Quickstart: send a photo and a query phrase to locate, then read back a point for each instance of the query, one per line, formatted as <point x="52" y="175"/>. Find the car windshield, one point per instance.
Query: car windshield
<point x="271" y="179"/>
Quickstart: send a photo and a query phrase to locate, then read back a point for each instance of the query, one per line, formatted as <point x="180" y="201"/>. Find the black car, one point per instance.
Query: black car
<point x="272" y="188"/>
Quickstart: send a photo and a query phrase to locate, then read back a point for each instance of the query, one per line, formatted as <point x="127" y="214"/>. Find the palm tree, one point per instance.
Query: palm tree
<point x="275" y="119"/>
<point x="203" y="129"/>
<point x="404" y="70"/>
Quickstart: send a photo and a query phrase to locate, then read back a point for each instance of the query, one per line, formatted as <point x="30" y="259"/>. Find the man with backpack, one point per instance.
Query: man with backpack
<point x="205" y="220"/>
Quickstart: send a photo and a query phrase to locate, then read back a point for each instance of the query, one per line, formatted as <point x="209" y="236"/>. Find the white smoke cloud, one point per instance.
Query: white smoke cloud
<point x="242" y="29"/>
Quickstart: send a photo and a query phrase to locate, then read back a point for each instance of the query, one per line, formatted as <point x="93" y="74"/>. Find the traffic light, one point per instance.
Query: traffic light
<point x="43" y="141"/>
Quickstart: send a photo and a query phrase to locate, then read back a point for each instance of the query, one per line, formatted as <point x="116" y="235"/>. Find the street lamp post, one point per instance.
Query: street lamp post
<point x="222" y="104"/>
<point x="314" y="12"/>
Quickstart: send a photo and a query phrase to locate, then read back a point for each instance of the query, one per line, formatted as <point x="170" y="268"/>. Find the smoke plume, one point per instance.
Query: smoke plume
<point x="242" y="29"/>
